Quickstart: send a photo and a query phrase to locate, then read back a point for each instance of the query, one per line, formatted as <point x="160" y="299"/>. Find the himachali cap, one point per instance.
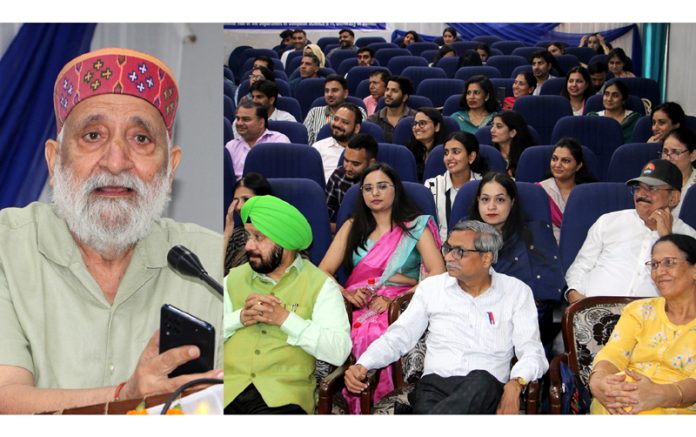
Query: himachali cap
<point x="659" y="172"/>
<point x="116" y="71"/>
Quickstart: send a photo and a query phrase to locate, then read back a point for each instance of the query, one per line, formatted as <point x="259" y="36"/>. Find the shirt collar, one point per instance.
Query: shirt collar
<point x="56" y="242"/>
<point x="297" y="264"/>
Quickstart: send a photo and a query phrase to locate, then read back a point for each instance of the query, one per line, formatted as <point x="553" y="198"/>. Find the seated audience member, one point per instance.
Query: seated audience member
<point x="470" y="58"/>
<point x="399" y="89"/>
<point x="366" y="57"/>
<point x="484" y="52"/>
<point x="262" y="61"/>
<point x="542" y="62"/>
<point x="619" y="64"/>
<point x="449" y="35"/>
<point x="524" y="85"/>
<point x="529" y="251"/>
<point x="578" y="88"/>
<point x="345" y="124"/>
<point x="428" y="130"/>
<point x="679" y="148"/>
<point x="251" y="122"/>
<point x="446" y="51"/>
<point x="257" y="74"/>
<point x="234" y="239"/>
<point x="647" y="366"/>
<point x="335" y="94"/>
<point x="610" y="260"/>
<point x="285" y="41"/>
<point x="316" y="51"/>
<point x="556" y="48"/>
<point x="346" y="41"/>
<point x="476" y="319"/>
<point x="665" y="117"/>
<point x="299" y="40"/>
<point x="614" y="102"/>
<point x="265" y="93"/>
<point x="598" y="75"/>
<point x="378" y="86"/>
<point x="463" y="163"/>
<point x="596" y="42"/>
<point x="309" y="68"/>
<point x="281" y="312"/>
<point x="411" y="36"/>
<point x="360" y="152"/>
<point x="478" y="104"/>
<point x="83" y="279"/>
<point x="567" y="169"/>
<point x="510" y="135"/>
<point x="384" y="219"/>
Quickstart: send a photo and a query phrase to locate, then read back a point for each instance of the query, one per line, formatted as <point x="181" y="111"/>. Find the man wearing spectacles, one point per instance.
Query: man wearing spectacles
<point x="399" y="88"/>
<point x="610" y="262"/>
<point x="476" y="319"/>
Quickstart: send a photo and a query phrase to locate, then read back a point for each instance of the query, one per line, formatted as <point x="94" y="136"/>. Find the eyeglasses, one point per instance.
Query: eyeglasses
<point x="379" y="186"/>
<point x="676" y="153"/>
<point x="633" y="189"/>
<point x="457" y="252"/>
<point x="256" y="77"/>
<point x="668" y="263"/>
<point x="257" y="238"/>
<point x="421" y="123"/>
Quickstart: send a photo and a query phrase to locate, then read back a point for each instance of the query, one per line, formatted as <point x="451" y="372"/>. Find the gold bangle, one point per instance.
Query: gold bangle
<point x="681" y="394"/>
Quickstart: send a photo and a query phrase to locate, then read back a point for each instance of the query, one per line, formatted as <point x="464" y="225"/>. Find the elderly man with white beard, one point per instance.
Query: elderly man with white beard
<point x="82" y="280"/>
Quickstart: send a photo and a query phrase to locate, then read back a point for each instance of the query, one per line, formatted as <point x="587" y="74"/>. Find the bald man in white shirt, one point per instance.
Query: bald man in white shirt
<point x="476" y="319"/>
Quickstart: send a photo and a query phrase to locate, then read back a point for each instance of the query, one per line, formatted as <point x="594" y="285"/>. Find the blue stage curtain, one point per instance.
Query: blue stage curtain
<point x="655" y="54"/>
<point x="532" y="33"/>
<point x="28" y="71"/>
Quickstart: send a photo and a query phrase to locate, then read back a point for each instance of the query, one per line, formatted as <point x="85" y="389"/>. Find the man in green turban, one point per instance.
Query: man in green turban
<point x="281" y="315"/>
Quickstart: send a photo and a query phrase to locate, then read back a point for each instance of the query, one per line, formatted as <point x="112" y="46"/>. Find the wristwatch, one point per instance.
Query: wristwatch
<point x="521" y="381"/>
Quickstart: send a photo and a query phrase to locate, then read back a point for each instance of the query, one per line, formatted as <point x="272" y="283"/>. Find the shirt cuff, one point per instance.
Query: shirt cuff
<point x="293" y="326"/>
<point x="232" y="324"/>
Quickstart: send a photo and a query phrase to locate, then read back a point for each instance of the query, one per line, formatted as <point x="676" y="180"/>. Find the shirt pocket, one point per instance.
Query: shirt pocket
<point x="496" y="333"/>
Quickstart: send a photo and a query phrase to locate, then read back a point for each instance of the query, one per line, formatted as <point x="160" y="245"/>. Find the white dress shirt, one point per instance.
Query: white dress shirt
<point x="467" y="333"/>
<point x="330" y="151"/>
<point x="685" y="188"/>
<point x="611" y="261"/>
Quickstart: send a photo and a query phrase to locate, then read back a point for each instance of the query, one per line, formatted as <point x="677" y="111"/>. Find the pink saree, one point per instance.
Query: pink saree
<point x="384" y="259"/>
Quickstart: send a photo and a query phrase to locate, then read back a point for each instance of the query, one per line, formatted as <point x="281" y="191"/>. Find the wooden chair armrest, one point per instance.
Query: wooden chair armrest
<point x="330" y="385"/>
<point x="533" y="397"/>
<point x="556" y="383"/>
<point x="367" y="395"/>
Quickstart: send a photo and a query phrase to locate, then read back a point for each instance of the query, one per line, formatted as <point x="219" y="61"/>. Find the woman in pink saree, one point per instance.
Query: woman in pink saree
<point x="384" y="239"/>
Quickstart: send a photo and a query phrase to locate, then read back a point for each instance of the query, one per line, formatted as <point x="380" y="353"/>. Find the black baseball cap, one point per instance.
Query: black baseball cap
<point x="659" y="172"/>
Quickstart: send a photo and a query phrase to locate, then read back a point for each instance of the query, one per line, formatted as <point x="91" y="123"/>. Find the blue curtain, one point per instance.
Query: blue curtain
<point x="27" y="73"/>
<point x="532" y="33"/>
<point x="655" y="54"/>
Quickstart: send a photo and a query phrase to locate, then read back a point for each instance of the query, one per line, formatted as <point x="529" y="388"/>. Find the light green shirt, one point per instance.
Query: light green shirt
<point x="326" y="336"/>
<point x="54" y="319"/>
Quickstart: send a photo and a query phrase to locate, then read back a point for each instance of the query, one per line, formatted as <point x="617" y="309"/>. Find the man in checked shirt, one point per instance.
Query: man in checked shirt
<point x="360" y="153"/>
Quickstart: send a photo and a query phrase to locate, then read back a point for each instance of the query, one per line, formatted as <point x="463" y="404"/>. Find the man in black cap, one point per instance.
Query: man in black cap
<point x="611" y="260"/>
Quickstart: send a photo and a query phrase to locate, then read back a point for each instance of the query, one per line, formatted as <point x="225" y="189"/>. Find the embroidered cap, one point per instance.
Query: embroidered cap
<point x="116" y="71"/>
<point x="659" y="172"/>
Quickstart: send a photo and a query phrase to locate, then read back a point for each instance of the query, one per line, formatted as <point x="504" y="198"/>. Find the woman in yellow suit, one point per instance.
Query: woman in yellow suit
<point x="649" y="364"/>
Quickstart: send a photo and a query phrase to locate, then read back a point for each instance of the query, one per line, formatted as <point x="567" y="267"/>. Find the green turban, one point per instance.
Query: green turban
<point x="279" y="221"/>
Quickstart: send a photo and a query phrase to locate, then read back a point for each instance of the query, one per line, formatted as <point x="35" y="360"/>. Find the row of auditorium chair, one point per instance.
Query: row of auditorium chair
<point x="585" y="204"/>
<point x="239" y="57"/>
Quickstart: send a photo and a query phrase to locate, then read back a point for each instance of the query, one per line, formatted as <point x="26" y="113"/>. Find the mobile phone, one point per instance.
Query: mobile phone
<point x="179" y="328"/>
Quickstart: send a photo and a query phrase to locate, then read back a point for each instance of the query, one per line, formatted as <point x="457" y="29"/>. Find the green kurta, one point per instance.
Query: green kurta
<point x="54" y="319"/>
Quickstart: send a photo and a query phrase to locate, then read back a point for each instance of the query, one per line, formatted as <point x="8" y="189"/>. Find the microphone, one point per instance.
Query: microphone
<point x="187" y="263"/>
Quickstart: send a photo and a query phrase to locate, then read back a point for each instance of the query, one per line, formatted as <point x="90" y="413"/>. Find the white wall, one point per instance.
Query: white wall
<point x="680" y="76"/>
